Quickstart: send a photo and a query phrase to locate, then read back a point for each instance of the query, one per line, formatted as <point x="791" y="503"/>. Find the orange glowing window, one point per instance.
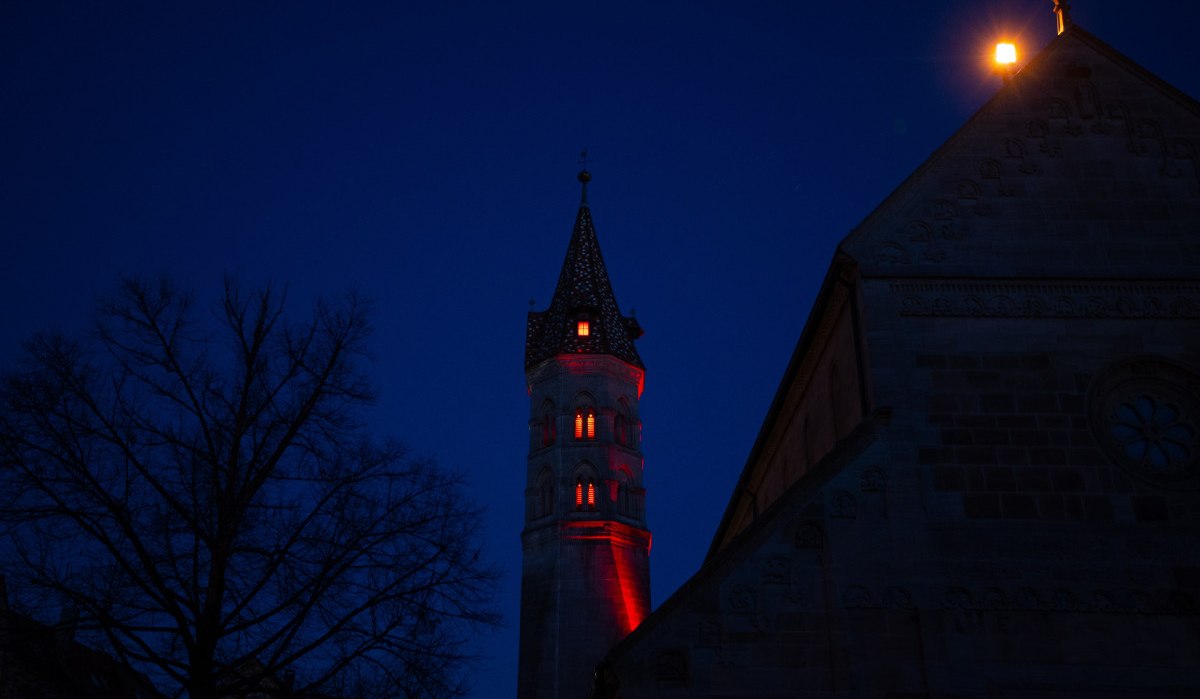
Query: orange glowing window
<point x="585" y="494"/>
<point x="585" y="423"/>
<point x="583" y="329"/>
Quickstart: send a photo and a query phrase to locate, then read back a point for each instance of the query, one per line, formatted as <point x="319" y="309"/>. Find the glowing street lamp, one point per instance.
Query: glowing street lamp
<point x="1006" y="54"/>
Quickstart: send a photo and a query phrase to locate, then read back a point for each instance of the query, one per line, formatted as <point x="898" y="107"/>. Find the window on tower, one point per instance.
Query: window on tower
<point x="621" y="425"/>
<point x="585" y="494"/>
<point x="545" y="494"/>
<point x="585" y="423"/>
<point x="625" y="493"/>
<point x="583" y="328"/>
<point x="547" y="423"/>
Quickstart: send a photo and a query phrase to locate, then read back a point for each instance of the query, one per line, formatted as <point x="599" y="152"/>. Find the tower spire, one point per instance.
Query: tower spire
<point x="583" y="317"/>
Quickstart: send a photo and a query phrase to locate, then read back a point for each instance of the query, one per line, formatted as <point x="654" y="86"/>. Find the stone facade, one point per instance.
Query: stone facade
<point x="981" y="476"/>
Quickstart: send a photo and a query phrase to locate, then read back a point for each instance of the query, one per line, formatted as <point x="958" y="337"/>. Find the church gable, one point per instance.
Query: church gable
<point x="1013" y="500"/>
<point x="1082" y="161"/>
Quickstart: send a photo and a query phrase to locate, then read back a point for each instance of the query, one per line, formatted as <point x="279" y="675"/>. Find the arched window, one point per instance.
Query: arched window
<point x="625" y="498"/>
<point x="547" y="424"/>
<point x="622" y="424"/>
<point x="545" y="495"/>
<point x="585" y="422"/>
<point x="585" y="494"/>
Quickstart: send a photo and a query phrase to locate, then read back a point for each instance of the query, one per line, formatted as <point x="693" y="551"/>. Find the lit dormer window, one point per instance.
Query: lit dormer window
<point x="583" y="328"/>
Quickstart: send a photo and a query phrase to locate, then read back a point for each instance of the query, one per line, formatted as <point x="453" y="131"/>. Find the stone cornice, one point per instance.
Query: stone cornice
<point x="1019" y="298"/>
<point x="577" y="364"/>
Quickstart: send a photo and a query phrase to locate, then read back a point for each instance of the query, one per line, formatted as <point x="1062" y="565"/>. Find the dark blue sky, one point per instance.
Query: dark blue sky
<point x="426" y="154"/>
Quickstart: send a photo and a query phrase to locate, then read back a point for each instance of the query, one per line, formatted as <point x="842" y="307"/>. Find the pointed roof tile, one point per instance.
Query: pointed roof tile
<point x="584" y="293"/>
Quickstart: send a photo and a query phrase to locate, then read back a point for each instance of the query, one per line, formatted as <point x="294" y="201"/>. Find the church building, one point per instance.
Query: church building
<point x="980" y="475"/>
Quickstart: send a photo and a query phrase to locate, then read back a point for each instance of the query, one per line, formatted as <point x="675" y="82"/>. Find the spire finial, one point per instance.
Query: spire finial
<point x="1062" y="10"/>
<point x="584" y="176"/>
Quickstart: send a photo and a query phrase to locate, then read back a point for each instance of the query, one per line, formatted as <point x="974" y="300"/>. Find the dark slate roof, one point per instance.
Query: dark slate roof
<point x="583" y="288"/>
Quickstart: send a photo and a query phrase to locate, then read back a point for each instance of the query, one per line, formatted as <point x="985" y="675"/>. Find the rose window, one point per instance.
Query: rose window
<point x="1145" y="416"/>
<point x="1152" y="434"/>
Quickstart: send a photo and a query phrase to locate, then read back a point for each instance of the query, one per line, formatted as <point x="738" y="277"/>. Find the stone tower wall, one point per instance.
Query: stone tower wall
<point x="585" y="579"/>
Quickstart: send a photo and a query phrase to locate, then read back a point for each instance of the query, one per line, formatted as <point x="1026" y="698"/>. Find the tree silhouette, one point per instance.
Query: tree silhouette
<point x="201" y="488"/>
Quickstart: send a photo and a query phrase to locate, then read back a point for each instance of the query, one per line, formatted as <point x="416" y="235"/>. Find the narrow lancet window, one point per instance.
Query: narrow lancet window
<point x="547" y="424"/>
<point x="585" y="494"/>
<point x="585" y="423"/>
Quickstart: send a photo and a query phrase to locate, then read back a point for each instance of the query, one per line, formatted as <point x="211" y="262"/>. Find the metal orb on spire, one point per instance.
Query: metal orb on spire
<point x="584" y="176"/>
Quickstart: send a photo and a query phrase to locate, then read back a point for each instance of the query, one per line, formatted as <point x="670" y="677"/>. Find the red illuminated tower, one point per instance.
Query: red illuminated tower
<point x="585" y="580"/>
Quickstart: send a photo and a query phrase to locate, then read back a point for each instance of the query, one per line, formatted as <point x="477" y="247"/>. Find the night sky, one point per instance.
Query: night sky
<point x="425" y="153"/>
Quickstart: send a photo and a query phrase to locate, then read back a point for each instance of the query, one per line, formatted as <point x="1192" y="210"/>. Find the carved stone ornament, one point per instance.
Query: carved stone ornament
<point x="672" y="666"/>
<point x="898" y="597"/>
<point x="742" y="598"/>
<point x="873" y="480"/>
<point x="843" y="504"/>
<point x="778" y="571"/>
<point x="1145" y="415"/>
<point x="708" y="633"/>
<point x="857" y="597"/>
<point x="809" y="536"/>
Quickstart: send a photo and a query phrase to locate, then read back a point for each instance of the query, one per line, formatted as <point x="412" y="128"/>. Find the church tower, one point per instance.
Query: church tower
<point x="585" y="580"/>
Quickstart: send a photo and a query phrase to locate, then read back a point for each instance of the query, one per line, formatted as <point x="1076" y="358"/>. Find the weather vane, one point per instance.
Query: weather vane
<point x="584" y="176"/>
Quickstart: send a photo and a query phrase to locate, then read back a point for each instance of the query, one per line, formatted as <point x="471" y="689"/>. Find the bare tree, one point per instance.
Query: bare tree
<point x="203" y="491"/>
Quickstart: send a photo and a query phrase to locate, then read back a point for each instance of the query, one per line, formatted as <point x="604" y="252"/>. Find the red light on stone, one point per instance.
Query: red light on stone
<point x="618" y="568"/>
